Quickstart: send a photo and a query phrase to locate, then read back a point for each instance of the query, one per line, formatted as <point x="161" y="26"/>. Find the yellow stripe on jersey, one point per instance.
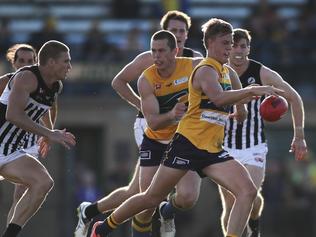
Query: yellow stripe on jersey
<point x="204" y="122"/>
<point x="168" y="92"/>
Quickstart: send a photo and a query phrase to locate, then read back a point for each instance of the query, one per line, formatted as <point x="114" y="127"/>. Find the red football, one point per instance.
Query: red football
<point x="273" y="108"/>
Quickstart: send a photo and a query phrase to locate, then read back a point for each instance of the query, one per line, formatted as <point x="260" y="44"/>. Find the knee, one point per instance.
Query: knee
<point x="44" y="185"/>
<point x="258" y="202"/>
<point x="248" y="192"/>
<point x="132" y="189"/>
<point x="152" y="201"/>
<point x="186" y="199"/>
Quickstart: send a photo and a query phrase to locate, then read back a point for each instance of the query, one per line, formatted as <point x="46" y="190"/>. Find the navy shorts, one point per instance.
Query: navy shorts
<point x="182" y="154"/>
<point x="151" y="152"/>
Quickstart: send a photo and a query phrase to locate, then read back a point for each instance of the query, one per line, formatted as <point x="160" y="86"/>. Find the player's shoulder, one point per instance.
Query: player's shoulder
<point x="142" y="61"/>
<point x="5" y="77"/>
<point x="25" y="74"/>
<point x="143" y="57"/>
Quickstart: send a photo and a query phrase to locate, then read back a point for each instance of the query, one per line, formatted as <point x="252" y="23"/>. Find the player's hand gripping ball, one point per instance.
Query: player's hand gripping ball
<point x="273" y="108"/>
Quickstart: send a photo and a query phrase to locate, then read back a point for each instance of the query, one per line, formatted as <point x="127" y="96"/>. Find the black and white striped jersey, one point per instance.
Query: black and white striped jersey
<point x="251" y="131"/>
<point x="13" y="138"/>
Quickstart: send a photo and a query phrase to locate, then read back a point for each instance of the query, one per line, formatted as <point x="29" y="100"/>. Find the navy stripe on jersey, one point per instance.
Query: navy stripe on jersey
<point x="250" y="132"/>
<point x="187" y="52"/>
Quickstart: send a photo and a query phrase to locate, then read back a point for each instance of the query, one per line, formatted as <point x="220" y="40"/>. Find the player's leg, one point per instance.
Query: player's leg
<point x="227" y="203"/>
<point x="87" y="211"/>
<point x="142" y="222"/>
<point x="235" y="178"/>
<point x="257" y="175"/>
<point x="19" y="190"/>
<point x="188" y="190"/>
<point x="151" y="154"/>
<point x="27" y="171"/>
<point x="255" y="164"/>
<point x="163" y="183"/>
<point x="185" y="197"/>
<point x="115" y="198"/>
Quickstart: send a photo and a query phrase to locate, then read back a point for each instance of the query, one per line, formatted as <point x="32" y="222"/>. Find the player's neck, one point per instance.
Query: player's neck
<point x="180" y="52"/>
<point x="168" y="71"/>
<point x="240" y="68"/>
<point x="47" y="75"/>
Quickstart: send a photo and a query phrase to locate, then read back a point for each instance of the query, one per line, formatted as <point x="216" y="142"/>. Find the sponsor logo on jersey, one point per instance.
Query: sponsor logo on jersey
<point x="213" y="117"/>
<point x="181" y="81"/>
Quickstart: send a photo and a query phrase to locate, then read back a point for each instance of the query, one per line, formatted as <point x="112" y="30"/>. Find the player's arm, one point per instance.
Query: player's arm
<point x="150" y="107"/>
<point x="49" y="119"/>
<point x="206" y="80"/>
<point x="131" y="72"/>
<point x="3" y="83"/>
<point x="270" y="77"/>
<point x="23" y="85"/>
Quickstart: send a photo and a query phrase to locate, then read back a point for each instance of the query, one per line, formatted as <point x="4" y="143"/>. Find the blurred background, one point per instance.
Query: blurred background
<point x="103" y="36"/>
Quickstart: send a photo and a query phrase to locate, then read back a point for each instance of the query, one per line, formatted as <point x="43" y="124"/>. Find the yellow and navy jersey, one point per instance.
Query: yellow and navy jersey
<point x="168" y="91"/>
<point x="204" y="122"/>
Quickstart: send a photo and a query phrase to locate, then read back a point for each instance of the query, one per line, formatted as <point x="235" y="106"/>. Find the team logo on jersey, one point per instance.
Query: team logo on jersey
<point x="180" y="81"/>
<point x="180" y="161"/>
<point x="251" y="80"/>
<point x="157" y="86"/>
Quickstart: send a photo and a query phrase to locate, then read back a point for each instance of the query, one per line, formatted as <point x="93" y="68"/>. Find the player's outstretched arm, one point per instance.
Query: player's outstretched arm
<point x="206" y="80"/>
<point x="298" y="145"/>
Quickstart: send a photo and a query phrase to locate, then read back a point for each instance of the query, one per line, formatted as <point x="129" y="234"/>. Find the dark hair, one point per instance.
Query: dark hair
<point x="12" y="53"/>
<point x="164" y="34"/>
<point x="51" y="49"/>
<point x="215" y="27"/>
<point x="175" y="15"/>
<point x="240" y="33"/>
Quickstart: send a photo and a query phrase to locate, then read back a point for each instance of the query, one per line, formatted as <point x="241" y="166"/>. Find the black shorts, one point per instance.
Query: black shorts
<point x="182" y="154"/>
<point x="151" y="152"/>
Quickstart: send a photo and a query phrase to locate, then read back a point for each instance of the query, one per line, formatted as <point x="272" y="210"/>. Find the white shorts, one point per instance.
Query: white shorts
<point x="33" y="151"/>
<point x="255" y="155"/>
<point x="139" y="129"/>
